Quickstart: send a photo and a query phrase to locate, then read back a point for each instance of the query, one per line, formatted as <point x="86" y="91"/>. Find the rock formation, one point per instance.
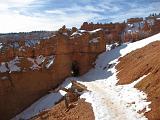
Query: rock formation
<point x="31" y="75"/>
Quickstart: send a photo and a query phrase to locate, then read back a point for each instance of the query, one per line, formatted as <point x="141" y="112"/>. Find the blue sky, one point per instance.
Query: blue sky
<point x="30" y="15"/>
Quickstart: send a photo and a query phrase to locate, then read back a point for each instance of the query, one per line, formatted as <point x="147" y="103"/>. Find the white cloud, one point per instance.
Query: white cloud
<point x="92" y="8"/>
<point x="17" y="23"/>
<point x="108" y="6"/>
<point x="12" y="20"/>
<point x="17" y="2"/>
<point x="30" y="15"/>
<point x="60" y="12"/>
<point x="3" y="7"/>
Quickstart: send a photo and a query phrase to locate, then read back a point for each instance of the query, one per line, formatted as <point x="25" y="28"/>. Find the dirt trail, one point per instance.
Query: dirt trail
<point x="114" y="109"/>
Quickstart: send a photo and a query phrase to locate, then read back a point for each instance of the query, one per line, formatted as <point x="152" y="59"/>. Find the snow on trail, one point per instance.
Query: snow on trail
<point x="111" y="101"/>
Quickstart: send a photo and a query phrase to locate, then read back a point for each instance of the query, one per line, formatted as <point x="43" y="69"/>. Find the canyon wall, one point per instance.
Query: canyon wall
<point x="27" y="73"/>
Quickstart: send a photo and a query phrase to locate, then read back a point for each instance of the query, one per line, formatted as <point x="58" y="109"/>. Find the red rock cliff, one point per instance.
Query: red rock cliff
<point x="19" y="89"/>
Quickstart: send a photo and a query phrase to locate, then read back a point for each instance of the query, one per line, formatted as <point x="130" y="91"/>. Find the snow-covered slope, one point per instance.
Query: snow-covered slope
<point x="10" y="66"/>
<point x="109" y="101"/>
<point x="44" y="103"/>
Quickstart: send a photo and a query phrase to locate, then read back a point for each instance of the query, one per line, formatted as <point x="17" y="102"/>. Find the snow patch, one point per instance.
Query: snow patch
<point x="40" y="59"/>
<point x="94" y="40"/>
<point x="34" y="66"/>
<point x="96" y="30"/>
<point x="111" y="46"/>
<point x="22" y="49"/>
<point x="4" y="78"/>
<point x="12" y="65"/>
<point x="46" y="37"/>
<point x="139" y="44"/>
<point x="82" y="31"/>
<point x="76" y="33"/>
<point x="50" y="61"/>
<point x="65" y="34"/>
<point x="3" y="67"/>
<point x="42" y="104"/>
<point x="1" y="45"/>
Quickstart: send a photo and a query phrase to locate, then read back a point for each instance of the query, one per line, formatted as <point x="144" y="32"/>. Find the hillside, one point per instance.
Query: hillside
<point x="122" y="82"/>
<point x="144" y="61"/>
